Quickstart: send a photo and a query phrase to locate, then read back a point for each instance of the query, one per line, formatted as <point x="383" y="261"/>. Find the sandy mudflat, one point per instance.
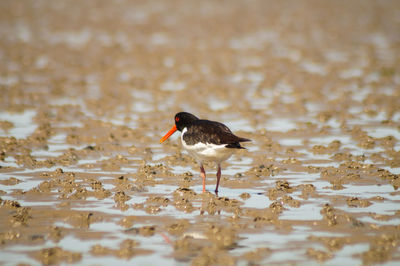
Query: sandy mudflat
<point x="89" y="87"/>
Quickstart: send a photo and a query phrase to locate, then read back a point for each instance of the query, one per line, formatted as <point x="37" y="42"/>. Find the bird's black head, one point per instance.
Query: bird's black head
<point x="183" y="119"/>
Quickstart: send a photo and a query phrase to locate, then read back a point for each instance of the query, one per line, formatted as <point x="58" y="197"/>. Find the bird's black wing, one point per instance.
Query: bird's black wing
<point x="206" y="131"/>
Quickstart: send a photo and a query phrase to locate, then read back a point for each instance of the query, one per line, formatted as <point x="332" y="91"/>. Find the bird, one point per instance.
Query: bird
<point x="205" y="140"/>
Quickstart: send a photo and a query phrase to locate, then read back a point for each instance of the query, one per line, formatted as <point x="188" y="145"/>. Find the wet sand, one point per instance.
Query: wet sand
<point x="89" y="87"/>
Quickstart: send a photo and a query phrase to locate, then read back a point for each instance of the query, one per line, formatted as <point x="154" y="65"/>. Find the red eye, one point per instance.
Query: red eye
<point x="177" y="119"/>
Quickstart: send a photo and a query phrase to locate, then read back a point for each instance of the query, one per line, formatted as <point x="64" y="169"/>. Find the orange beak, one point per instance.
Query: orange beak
<point x="170" y="132"/>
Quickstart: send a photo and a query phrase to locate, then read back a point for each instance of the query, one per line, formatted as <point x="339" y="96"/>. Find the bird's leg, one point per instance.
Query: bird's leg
<point x="203" y="176"/>
<point x="218" y="178"/>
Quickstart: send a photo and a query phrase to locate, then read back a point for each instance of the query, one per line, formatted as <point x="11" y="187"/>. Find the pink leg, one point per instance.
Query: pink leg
<point x="203" y="176"/>
<point x="218" y="178"/>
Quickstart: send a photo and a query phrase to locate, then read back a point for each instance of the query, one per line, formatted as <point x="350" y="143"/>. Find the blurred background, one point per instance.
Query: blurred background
<point x="87" y="88"/>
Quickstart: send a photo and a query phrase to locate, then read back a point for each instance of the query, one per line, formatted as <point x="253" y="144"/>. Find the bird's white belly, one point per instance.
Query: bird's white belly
<point x="208" y="151"/>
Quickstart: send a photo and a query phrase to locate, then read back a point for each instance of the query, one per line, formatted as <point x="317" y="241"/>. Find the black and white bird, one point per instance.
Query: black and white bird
<point x="205" y="140"/>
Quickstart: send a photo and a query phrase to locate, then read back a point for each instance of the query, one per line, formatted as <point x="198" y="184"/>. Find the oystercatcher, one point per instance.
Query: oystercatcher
<point x="205" y="140"/>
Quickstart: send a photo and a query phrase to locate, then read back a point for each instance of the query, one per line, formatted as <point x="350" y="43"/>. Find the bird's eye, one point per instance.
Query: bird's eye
<point x="176" y="119"/>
